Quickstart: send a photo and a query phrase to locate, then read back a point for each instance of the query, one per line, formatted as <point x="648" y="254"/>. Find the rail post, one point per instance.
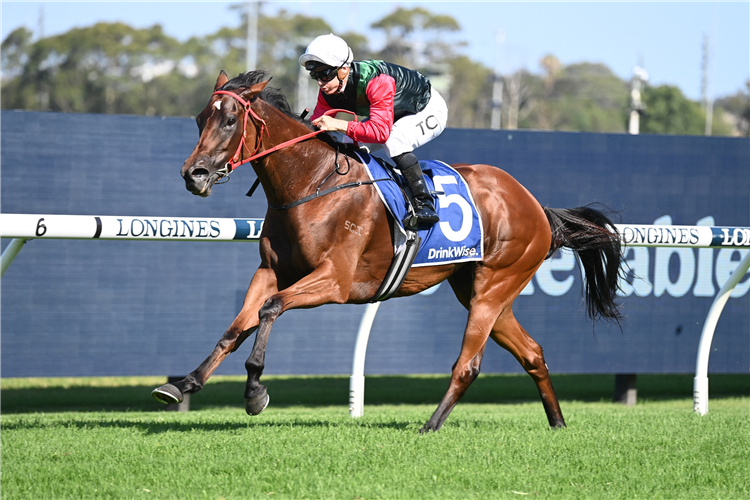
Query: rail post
<point x="10" y="253"/>
<point x="357" y="380"/>
<point x="700" y="382"/>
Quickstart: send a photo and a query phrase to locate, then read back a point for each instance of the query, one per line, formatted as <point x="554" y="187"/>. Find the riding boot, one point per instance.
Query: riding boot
<point x="424" y="206"/>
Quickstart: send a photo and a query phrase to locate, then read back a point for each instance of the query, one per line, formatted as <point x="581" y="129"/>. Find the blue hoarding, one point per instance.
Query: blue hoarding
<point x="80" y="308"/>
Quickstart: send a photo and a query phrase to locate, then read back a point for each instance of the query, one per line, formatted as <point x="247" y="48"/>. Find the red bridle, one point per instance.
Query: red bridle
<point x="235" y="161"/>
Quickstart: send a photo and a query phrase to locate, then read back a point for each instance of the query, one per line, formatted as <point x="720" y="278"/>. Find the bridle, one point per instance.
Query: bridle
<point x="237" y="159"/>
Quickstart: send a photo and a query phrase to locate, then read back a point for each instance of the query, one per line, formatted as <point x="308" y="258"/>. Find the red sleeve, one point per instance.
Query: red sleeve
<point x="377" y="129"/>
<point x="320" y="108"/>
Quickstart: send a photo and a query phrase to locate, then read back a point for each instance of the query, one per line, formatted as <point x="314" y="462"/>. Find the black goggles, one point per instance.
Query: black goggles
<point x="324" y="74"/>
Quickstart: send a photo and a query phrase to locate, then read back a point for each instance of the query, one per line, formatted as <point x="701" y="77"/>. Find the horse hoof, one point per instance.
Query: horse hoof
<point x="167" y="394"/>
<point x="426" y="428"/>
<point x="256" y="404"/>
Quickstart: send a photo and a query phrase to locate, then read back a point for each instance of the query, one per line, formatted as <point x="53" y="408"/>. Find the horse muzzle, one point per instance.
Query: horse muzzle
<point x="199" y="177"/>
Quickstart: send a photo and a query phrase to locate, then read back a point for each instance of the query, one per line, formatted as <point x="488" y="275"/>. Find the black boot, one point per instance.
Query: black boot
<point x="424" y="206"/>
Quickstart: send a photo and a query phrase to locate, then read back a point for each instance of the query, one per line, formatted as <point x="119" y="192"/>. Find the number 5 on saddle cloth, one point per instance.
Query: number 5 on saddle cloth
<point x="456" y="238"/>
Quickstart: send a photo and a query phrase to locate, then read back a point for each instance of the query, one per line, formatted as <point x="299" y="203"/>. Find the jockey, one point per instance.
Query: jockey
<point x="403" y="111"/>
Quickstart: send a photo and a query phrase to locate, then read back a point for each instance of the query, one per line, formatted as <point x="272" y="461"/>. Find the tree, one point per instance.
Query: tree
<point x="545" y="115"/>
<point x="589" y="97"/>
<point x="736" y="108"/>
<point x="521" y="91"/>
<point x="419" y="39"/>
<point x="584" y="96"/>
<point x="415" y="38"/>
<point x="15" y="52"/>
<point x="92" y="70"/>
<point x="359" y="44"/>
<point x="469" y="105"/>
<point x="281" y="40"/>
<point x="668" y="111"/>
<point x="114" y="68"/>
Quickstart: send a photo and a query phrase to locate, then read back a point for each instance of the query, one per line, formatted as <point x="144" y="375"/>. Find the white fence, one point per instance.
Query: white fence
<point x="22" y="227"/>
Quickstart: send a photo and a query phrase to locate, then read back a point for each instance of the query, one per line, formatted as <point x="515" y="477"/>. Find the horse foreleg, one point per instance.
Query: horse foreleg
<point x="510" y="335"/>
<point x="246" y="322"/>
<point x="322" y="286"/>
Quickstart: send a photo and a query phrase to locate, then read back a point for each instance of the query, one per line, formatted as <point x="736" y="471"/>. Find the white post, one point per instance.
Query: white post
<point x="10" y="253"/>
<point x="636" y="104"/>
<point x="700" y="382"/>
<point x="251" y="41"/>
<point x="357" y="380"/>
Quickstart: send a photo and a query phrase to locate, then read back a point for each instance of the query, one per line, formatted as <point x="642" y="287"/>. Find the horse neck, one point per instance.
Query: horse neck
<point x="291" y="173"/>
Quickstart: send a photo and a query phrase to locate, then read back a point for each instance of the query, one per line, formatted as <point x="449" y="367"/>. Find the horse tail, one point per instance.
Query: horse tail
<point x="594" y="239"/>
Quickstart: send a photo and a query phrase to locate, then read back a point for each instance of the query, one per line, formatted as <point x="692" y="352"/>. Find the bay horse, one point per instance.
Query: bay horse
<point x="310" y="257"/>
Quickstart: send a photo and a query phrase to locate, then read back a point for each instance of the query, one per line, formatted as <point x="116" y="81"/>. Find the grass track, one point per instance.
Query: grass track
<point x="81" y="443"/>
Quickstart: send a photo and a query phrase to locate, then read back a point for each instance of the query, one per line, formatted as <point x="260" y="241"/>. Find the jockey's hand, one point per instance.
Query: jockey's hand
<point x="330" y="124"/>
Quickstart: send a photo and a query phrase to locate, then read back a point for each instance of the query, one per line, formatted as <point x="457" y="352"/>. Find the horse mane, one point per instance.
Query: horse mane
<point x="271" y="95"/>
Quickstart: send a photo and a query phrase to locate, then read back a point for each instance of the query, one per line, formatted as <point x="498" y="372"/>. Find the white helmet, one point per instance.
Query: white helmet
<point x="329" y="50"/>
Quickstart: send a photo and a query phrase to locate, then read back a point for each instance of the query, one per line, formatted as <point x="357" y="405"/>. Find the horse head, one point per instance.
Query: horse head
<point x="225" y="137"/>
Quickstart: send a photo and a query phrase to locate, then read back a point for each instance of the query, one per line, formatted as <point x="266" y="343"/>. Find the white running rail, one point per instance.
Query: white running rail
<point x="22" y="227"/>
<point x="635" y="236"/>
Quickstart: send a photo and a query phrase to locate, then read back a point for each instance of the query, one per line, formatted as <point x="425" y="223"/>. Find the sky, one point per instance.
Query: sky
<point x="666" y="38"/>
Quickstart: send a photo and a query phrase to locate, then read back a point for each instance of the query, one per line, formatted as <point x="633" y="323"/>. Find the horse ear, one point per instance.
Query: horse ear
<point x="223" y="78"/>
<point x="254" y="90"/>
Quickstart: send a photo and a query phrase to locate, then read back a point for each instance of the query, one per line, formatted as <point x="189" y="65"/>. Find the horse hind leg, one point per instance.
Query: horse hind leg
<point x="486" y="295"/>
<point x="511" y="336"/>
<point x="466" y="368"/>
<point x="464" y="373"/>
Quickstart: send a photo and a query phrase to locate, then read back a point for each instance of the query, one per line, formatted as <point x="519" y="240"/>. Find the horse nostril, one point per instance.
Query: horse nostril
<point x="199" y="173"/>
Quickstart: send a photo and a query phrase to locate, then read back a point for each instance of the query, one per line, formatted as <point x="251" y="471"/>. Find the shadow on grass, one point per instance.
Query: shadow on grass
<point x="150" y="427"/>
<point x="334" y="391"/>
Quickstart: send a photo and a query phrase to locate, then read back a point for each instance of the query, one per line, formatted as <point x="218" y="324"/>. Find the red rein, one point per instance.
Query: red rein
<point x="235" y="161"/>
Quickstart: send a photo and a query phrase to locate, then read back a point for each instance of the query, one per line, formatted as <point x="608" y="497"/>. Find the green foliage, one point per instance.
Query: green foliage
<point x="359" y="44"/>
<point x="14" y="51"/>
<point x="283" y="39"/>
<point x="735" y="109"/>
<point x="402" y="22"/>
<point x="114" y="68"/>
<point x="584" y="97"/>
<point x="470" y="101"/>
<point x="417" y="38"/>
<point x="668" y="111"/>
<point x="20" y="395"/>
<point x="105" y="68"/>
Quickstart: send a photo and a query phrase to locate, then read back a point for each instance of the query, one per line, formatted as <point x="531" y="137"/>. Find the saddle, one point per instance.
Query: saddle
<point x="440" y="243"/>
<point x="406" y="242"/>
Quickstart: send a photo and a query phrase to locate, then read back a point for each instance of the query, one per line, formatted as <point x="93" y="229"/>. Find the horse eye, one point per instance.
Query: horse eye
<point x="231" y="121"/>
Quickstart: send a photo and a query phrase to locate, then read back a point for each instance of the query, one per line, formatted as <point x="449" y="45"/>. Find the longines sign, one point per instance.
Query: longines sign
<point x="129" y="228"/>
<point x="684" y="236"/>
<point x="223" y="229"/>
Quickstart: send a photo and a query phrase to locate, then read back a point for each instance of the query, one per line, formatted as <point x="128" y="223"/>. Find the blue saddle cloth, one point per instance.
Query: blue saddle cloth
<point x="459" y="234"/>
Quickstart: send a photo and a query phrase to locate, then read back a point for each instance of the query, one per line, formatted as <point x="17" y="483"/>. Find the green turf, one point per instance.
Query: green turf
<point x="134" y="393"/>
<point x="73" y="438"/>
